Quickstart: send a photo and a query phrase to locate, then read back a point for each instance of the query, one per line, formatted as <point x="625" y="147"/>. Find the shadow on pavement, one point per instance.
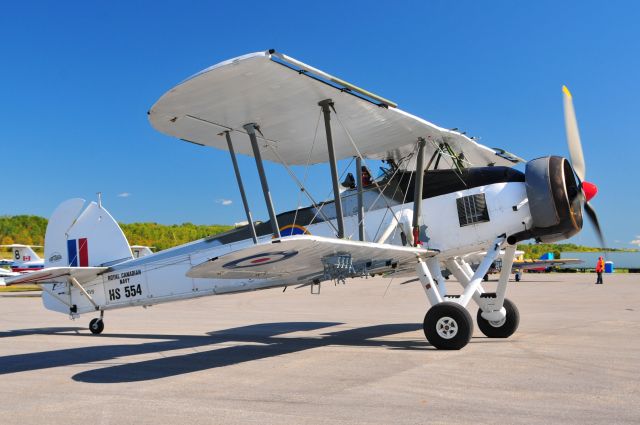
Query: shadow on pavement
<point x="249" y="343"/>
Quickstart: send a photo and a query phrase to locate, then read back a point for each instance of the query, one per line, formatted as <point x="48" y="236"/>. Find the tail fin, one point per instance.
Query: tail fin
<point x="80" y="235"/>
<point x="546" y="256"/>
<point x="22" y="253"/>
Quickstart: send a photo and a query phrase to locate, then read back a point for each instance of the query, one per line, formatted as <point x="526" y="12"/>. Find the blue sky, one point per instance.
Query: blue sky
<point x="77" y="80"/>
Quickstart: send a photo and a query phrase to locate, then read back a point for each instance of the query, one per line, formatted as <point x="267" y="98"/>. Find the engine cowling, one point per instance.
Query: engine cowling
<point x="556" y="208"/>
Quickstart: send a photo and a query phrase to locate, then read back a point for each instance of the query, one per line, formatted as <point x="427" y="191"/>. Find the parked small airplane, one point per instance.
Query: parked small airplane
<point x="6" y="273"/>
<point x="467" y="198"/>
<point x="519" y="263"/>
<point x="24" y="258"/>
<point x="542" y="264"/>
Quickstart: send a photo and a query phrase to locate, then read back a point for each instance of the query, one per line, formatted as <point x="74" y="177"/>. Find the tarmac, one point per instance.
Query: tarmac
<point x="356" y="354"/>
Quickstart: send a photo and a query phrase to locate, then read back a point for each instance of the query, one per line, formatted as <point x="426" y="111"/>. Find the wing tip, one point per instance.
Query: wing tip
<point x="566" y="91"/>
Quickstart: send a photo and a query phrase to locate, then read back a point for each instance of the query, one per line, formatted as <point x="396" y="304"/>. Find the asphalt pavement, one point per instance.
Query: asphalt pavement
<point x="355" y="354"/>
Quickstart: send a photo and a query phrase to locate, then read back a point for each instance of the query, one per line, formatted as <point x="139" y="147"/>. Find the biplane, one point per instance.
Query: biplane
<point x="441" y="196"/>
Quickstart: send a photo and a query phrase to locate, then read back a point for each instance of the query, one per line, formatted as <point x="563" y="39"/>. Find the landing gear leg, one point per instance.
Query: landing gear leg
<point x="499" y="317"/>
<point x="447" y="325"/>
<point x="501" y="328"/>
<point x="96" y="326"/>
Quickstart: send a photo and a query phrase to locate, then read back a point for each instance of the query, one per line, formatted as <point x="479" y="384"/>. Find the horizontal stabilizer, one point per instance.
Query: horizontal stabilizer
<point x="53" y="274"/>
<point x="305" y="258"/>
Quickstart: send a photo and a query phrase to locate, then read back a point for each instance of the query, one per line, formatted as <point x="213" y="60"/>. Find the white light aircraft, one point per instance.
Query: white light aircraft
<point x="24" y="258"/>
<point x="468" y="198"/>
<point x="519" y="263"/>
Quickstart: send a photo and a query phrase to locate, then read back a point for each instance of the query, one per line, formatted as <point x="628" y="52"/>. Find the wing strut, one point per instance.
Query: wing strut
<point x="247" y="211"/>
<point x="77" y="284"/>
<point x="417" y="194"/>
<point x="325" y="104"/>
<point x="251" y="131"/>
<point x="360" y="199"/>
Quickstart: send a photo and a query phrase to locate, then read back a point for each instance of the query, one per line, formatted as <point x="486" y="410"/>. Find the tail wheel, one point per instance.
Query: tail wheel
<point x="503" y="328"/>
<point x="96" y="326"/>
<point x="448" y="326"/>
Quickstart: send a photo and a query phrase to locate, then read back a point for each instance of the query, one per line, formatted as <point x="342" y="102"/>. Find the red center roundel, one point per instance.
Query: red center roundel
<point x="260" y="260"/>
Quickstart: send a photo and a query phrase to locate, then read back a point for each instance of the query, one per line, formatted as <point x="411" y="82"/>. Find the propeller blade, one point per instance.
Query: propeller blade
<point x="573" y="135"/>
<point x="593" y="217"/>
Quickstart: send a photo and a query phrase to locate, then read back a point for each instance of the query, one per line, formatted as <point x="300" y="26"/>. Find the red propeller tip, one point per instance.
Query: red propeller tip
<point x="590" y="190"/>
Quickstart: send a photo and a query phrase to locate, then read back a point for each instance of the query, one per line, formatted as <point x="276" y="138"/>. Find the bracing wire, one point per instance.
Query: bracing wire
<point x="306" y="169"/>
<point x="446" y="155"/>
<point x="355" y="147"/>
<point x="389" y="209"/>
<point x="331" y="191"/>
<point x="302" y="188"/>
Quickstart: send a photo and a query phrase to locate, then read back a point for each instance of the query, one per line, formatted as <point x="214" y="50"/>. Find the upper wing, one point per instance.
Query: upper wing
<point x="303" y="258"/>
<point x="51" y="274"/>
<point x="281" y="95"/>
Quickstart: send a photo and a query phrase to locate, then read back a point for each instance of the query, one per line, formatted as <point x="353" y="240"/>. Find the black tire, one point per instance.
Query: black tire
<point x="486" y="277"/>
<point x="96" y="326"/>
<point x="448" y="314"/>
<point x="506" y="329"/>
<point x="517" y="277"/>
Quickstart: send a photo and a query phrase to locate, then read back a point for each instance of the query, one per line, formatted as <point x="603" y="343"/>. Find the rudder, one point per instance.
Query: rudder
<point x="82" y="235"/>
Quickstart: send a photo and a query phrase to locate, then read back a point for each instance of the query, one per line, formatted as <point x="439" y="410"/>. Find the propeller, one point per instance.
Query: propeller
<point x="587" y="190"/>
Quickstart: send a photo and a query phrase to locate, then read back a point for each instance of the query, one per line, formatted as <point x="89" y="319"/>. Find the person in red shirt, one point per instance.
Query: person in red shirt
<point x="599" y="270"/>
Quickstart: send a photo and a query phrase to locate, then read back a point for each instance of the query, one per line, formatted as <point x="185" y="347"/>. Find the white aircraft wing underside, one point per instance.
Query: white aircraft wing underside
<point x="282" y="98"/>
<point x="300" y="259"/>
<point x="51" y="274"/>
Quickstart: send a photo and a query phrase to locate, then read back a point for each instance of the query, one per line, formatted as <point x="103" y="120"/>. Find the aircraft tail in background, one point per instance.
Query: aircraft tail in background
<point x="22" y="253"/>
<point x="23" y="258"/>
<point x="141" y="250"/>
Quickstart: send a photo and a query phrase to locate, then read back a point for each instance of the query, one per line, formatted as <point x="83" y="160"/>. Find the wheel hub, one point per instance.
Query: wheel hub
<point x="498" y="323"/>
<point x="446" y="327"/>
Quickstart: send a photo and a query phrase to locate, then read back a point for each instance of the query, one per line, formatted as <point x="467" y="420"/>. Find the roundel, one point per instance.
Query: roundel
<point x="259" y="259"/>
<point x="293" y="229"/>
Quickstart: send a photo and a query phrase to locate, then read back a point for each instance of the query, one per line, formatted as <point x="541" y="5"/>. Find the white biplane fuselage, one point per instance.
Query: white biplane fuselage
<point x="162" y="276"/>
<point x="466" y="199"/>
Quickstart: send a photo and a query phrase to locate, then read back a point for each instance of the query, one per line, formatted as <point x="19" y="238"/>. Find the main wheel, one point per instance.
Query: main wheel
<point x="503" y="328"/>
<point x="518" y="277"/>
<point x="96" y="326"/>
<point x="448" y="326"/>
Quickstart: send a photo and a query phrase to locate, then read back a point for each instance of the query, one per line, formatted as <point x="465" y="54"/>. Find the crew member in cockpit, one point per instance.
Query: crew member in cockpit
<point x="366" y="177"/>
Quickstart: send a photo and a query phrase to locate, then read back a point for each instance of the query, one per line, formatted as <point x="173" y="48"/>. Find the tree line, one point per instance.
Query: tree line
<point x="30" y="230"/>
